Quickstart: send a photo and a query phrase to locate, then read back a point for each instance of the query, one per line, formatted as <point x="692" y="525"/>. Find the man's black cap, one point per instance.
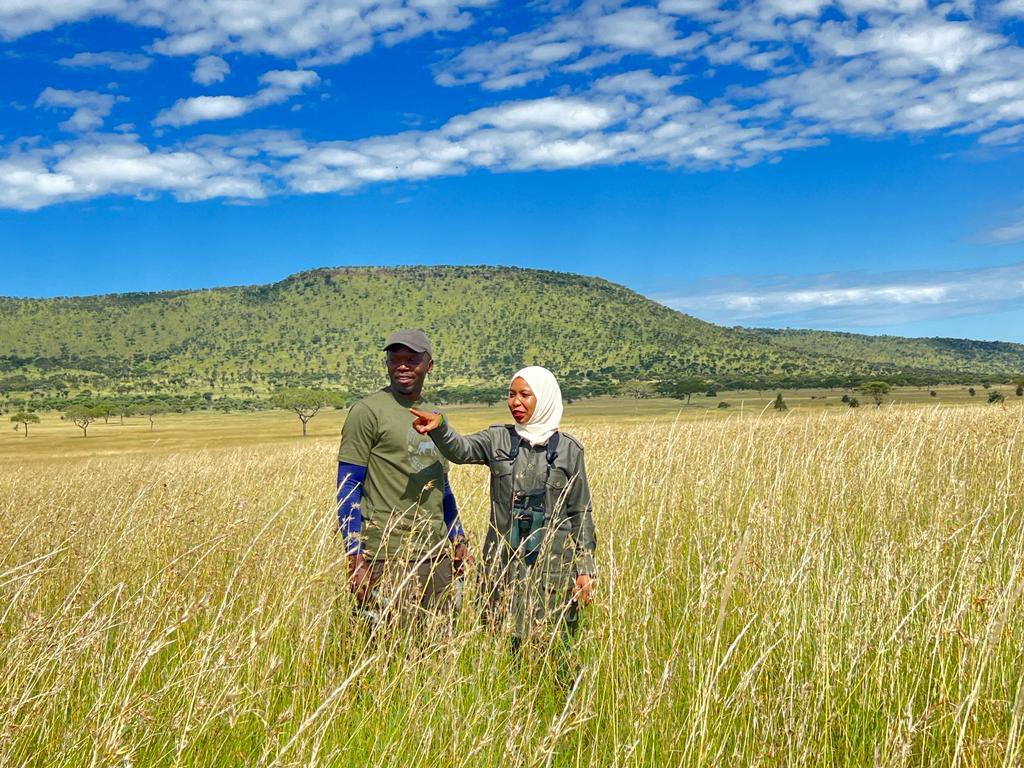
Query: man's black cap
<point x="413" y="338"/>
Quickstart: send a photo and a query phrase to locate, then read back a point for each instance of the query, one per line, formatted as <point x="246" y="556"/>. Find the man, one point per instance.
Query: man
<point x="395" y="508"/>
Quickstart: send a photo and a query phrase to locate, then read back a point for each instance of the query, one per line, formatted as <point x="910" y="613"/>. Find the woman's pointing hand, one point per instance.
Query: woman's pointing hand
<point x="425" y="422"/>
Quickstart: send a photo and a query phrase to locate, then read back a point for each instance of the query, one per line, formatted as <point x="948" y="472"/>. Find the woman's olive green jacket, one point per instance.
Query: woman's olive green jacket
<point x="531" y="594"/>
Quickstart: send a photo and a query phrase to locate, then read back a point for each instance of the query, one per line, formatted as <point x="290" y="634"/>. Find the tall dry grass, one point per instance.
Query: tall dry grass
<point x="827" y="589"/>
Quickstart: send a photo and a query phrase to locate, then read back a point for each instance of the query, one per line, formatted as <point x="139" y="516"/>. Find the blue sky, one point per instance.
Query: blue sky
<point x="852" y="165"/>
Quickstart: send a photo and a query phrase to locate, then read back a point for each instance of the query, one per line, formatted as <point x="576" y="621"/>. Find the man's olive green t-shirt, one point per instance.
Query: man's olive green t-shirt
<point x="404" y="485"/>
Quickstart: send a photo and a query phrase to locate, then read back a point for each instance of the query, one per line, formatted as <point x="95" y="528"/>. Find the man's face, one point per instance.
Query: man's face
<point x="407" y="370"/>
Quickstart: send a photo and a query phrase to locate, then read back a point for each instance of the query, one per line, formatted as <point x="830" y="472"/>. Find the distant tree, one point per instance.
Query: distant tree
<point x="123" y="407"/>
<point x="82" y="416"/>
<point x="845" y="399"/>
<point x="780" y="404"/>
<point x="995" y="396"/>
<point x="723" y="404"/>
<point x="684" y="388"/>
<point x="24" y="418"/>
<point x="712" y="392"/>
<point x="933" y="393"/>
<point x="853" y="402"/>
<point x="151" y="410"/>
<point x="104" y="410"/>
<point x="970" y="391"/>
<point x="986" y="384"/>
<point x="1020" y="390"/>
<point x="306" y="403"/>
<point x="639" y="390"/>
<point x="876" y="390"/>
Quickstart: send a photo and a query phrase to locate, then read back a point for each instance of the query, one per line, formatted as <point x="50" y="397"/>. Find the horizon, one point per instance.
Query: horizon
<point x="851" y="166"/>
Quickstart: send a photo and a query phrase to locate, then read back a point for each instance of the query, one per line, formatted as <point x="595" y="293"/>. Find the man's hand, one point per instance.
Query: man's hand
<point x="584" y="589"/>
<point x="425" y="422"/>
<point x="359" y="578"/>
<point x="461" y="559"/>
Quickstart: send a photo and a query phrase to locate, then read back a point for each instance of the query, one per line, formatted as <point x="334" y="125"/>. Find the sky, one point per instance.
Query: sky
<point x="785" y="163"/>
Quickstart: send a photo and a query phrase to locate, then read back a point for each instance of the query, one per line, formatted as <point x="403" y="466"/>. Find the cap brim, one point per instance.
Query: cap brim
<point x="406" y="344"/>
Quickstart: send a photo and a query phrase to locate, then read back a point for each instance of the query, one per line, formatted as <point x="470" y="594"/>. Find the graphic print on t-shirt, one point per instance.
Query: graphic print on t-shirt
<point x="422" y="451"/>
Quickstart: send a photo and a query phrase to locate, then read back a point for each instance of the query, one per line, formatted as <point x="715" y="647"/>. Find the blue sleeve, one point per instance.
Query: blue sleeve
<point x="451" y="514"/>
<point x="350" y="494"/>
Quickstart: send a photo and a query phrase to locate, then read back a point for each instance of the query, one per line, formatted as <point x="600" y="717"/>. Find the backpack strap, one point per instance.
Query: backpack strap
<point x="515" y="440"/>
<point x="552" y="452"/>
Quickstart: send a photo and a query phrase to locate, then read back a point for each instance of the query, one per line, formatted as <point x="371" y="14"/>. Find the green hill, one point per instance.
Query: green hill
<point x="324" y="328"/>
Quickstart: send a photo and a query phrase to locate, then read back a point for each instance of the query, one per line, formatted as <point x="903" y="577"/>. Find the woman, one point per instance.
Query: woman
<point x="538" y="554"/>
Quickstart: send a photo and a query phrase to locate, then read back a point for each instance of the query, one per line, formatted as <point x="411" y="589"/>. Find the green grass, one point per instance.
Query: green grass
<point x="820" y="587"/>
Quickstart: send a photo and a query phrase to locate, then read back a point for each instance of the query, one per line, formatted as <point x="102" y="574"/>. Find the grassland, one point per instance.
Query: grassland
<point x="822" y="587"/>
<point x="57" y="439"/>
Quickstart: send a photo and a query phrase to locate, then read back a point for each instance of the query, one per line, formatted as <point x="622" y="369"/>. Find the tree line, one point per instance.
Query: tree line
<point x="307" y="402"/>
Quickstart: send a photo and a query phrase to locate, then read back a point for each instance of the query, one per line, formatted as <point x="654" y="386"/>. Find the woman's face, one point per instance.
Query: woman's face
<point x="521" y="400"/>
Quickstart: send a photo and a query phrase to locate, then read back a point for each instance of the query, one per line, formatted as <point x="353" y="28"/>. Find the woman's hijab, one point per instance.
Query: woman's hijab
<point x="548" y="413"/>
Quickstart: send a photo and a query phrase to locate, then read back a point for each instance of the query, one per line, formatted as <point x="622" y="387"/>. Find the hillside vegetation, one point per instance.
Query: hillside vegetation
<point x="324" y="328"/>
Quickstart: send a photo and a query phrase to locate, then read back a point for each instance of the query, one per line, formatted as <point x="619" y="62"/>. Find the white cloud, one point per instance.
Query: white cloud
<point x="1008" y="232"/>
<point x="550" y="133"/>
<point x="121" y="62"/>
<point x="32" y="177"/>
<point x="888" y="67"/>
<point x="326" y="30"/>
<point x="209" y="70"/>
<point x="278" y="86"/>
<point x="913" y="45"/>
<point x="860" y="67"/>
<point x="200" y="108"/>
<point x="594" y="36"/>
<point x="1010" y="8"/>
<point x="855" y="299"/>
<point x="89" y="107"/>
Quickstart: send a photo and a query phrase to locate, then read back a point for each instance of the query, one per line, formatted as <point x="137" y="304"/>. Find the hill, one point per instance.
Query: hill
<point x="324" y="328"/>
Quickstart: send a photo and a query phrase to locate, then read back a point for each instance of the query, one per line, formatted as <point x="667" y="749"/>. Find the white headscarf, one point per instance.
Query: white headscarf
<point x="548" y="413"/>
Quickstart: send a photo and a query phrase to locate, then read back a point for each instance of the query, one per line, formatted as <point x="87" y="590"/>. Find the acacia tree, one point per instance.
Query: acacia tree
<point x="305" y="403"/>
<point x="104" y="410"/>
<point x="637" y="389"/>
<point x="23" y="419"/>
<point x="82" y="416"/>
<point x="691" y="385"/>
<point x="150" y="411"/>
<point x="877" y="390"/>
<point x="123" y="407"/>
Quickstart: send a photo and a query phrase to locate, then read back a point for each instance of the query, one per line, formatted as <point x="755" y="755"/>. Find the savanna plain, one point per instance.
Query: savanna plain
<point x="825" y="586"/>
